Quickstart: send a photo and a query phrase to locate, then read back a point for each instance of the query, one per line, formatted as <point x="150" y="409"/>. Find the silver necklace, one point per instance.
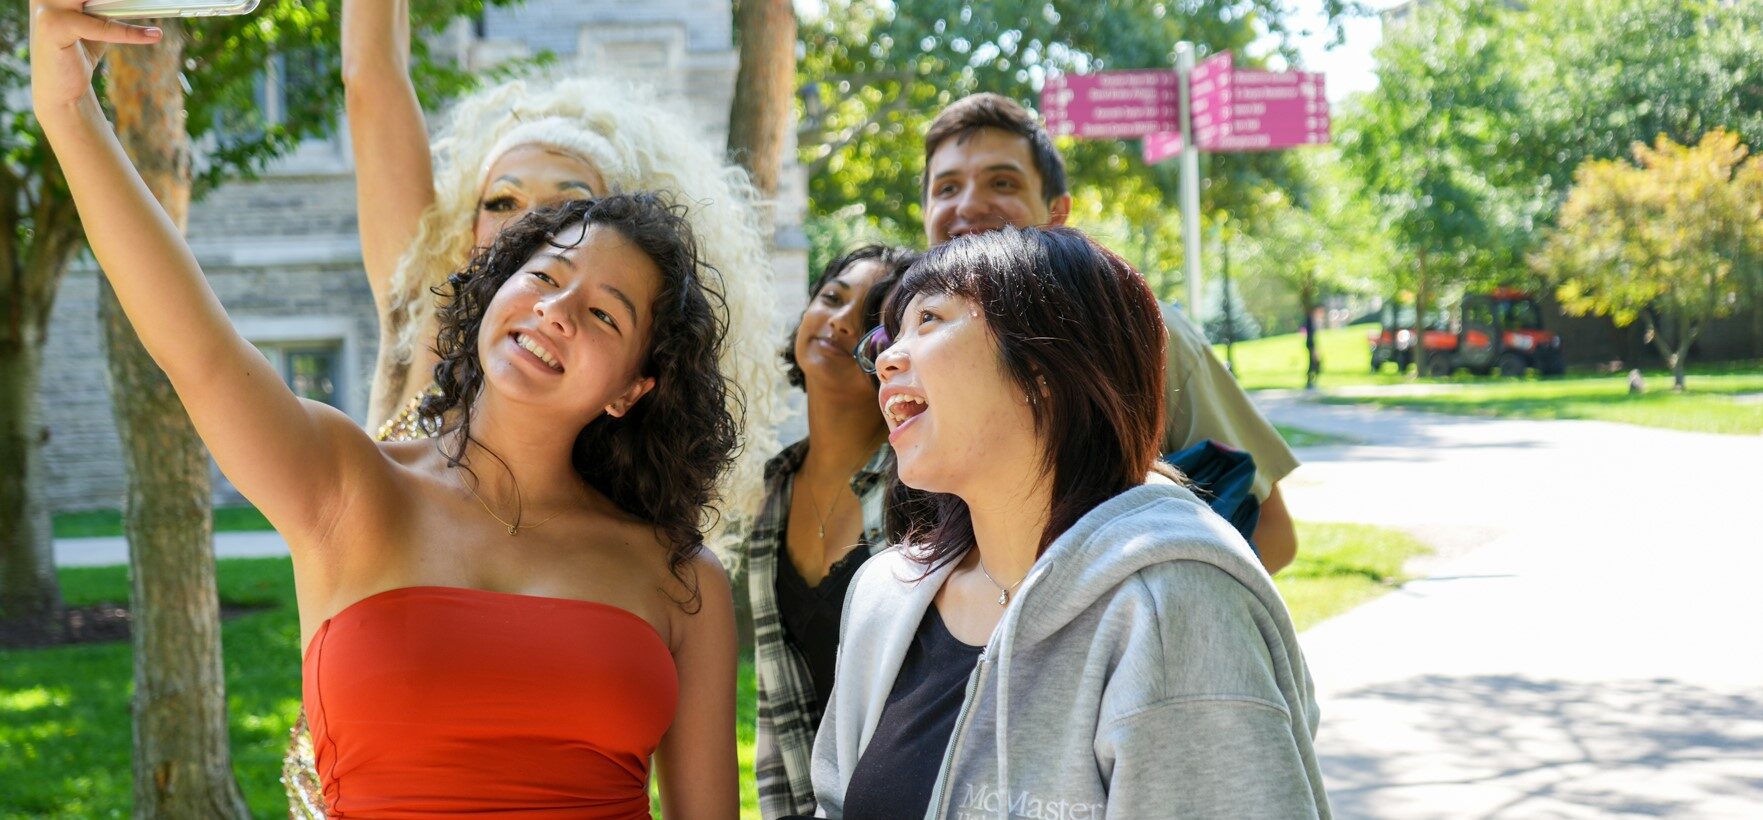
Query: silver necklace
<point x="1003" y="591"/>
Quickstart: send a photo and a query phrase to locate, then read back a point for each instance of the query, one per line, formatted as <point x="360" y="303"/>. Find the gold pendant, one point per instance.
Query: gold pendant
<point x="1003" y="597"/>
<point x="512" y="529"/>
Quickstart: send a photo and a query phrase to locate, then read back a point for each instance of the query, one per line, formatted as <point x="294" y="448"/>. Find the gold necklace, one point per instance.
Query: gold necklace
<point x="515" y="527"/>
<point x="1003" y="591"/>
<point x="812" y="499"/>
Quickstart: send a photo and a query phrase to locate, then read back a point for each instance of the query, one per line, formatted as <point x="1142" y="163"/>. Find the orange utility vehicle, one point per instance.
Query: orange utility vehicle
<point x="1502" y="330"/>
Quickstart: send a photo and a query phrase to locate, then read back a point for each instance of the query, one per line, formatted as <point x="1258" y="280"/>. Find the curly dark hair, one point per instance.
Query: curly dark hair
<point x="894" y="260"/>
<point x="661" y="459"/>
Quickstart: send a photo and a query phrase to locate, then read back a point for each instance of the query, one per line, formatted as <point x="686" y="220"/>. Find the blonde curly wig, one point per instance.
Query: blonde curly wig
<point x="637" y="143"/>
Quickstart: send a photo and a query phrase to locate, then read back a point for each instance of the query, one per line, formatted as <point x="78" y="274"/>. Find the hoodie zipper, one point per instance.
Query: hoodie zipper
<point x="940" y="797"/>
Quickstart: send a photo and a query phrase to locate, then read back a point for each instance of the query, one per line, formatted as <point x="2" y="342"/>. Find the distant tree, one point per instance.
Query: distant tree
<point x="1324" y="241"/>
<point x="1425" y="147"/>
<point x="1666" y="240"/>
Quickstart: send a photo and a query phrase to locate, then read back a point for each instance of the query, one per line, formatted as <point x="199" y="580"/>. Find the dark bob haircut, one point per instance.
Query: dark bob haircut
<point x="1081" y="335"/>
<point x="894" y="261"/>
<point x="661" y="459"/>
<point x="969" y="114"/>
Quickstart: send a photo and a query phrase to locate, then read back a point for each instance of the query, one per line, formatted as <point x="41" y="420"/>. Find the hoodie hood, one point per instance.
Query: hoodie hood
<point x="1150" y="524"/>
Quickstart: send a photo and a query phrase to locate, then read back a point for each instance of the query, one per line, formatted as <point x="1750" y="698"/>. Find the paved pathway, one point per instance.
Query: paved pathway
<point x="97" y="552"/>
<point x="1590" y="642"/>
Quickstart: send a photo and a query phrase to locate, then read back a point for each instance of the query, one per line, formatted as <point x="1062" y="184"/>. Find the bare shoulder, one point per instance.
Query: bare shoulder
<point x="705" y="599"/>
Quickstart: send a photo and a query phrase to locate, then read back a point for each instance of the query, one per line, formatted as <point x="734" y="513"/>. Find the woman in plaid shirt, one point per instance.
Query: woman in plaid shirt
<point x="805" y="546"/>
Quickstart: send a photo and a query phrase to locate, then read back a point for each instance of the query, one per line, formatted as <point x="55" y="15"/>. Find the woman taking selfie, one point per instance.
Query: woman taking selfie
<point x="517" y="615"/>
<point x="502" y="152"/>
<point x="822" y="518"/>
<point x="1062" y="630"/>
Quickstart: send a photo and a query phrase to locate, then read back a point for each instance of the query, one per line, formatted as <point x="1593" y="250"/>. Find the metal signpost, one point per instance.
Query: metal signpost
<point x="1212" y="106"/>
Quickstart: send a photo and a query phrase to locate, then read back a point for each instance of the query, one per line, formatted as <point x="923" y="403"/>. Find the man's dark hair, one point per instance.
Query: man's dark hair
<point x="1081" y="335"/>
<point x="894" y="261"/>
<point x="969" y="114"/>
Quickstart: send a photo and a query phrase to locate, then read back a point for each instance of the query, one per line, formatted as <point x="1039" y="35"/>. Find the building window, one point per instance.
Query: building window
<point x="310" y="369"/>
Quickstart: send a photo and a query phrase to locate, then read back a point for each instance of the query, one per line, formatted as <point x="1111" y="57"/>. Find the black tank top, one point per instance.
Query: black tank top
<point x="898" y="769"/>
<point x="810" y="616"/>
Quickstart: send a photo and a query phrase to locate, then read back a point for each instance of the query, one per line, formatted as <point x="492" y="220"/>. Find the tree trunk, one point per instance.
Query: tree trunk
<point x="759" y="120"/>
<point x="1422" y="360"/>
<point x="1674" y="350"/>
<point x="29" y="588"/>
<point x="182" y="763"/>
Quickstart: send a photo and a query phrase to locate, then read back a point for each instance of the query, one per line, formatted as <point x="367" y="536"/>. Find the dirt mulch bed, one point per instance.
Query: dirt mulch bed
<point x="98" y="623"/>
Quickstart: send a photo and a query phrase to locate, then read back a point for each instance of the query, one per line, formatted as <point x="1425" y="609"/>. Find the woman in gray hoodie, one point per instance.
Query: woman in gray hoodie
<point x="1068" y="633"/>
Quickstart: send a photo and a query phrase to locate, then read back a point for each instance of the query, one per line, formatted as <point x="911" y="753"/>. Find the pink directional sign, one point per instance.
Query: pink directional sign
<point x="1161" y="146"/>
<point x="1233" y="109"/>
<point x="1259" y="110"/>
<point x="1112" y="104"/>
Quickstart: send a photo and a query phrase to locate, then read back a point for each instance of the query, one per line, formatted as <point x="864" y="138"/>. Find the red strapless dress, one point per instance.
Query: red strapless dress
<point x="440" y="700"/>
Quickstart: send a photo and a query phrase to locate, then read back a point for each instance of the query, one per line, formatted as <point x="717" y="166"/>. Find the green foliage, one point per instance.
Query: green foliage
<point x="1485" y="108"/>
<point x="833" y="235"/>
<point x="878" y="72"/>
<point x="1674" y="233"/>
<point x="1427" y="146"/>
<point x="1600" y="75"/>
<point x="1291" y="253"/>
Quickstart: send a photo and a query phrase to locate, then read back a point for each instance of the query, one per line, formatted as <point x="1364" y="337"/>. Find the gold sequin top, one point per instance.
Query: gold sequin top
<point x="408" y="424"/>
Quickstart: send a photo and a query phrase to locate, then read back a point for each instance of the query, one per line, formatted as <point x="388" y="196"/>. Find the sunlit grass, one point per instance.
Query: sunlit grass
<point x="1720" y="399"/>
<point x="1340" y="566"/>
<point x="1279" y="361"/>
<point x="108" y="523"/>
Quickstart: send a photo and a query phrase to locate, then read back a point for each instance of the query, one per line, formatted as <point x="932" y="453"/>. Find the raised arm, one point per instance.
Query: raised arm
<point x="394" y="178"/>
<point x="284" y="454"/>
<point x="696" y="760"/>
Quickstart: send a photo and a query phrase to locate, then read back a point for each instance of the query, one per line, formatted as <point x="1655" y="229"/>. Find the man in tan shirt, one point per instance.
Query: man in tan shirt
<point x="989" y="163"/>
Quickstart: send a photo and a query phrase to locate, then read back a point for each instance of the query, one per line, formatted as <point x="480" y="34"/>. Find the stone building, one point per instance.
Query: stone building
<point x="283" y="252"/>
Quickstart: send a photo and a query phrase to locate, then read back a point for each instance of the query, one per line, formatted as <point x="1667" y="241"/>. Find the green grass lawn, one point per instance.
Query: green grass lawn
<point x="108" y="523"/>
<point x="1715" y="399"/>
<point x="1720" y="398"/>
<point x="1278" y="361"/>
<point x="1340" y="566"/>
<point x="64" y="713"/>
<point x="1299" y="437"/>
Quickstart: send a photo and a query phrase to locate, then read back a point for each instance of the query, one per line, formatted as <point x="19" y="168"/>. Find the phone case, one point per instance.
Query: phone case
<point x="136" y="9"/>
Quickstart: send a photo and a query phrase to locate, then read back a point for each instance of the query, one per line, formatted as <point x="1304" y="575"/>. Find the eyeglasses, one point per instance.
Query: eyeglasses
<point x="874" y="344"/>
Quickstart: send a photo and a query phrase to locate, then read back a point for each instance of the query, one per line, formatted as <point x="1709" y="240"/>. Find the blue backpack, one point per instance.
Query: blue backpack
<point x="1224" y="478"/>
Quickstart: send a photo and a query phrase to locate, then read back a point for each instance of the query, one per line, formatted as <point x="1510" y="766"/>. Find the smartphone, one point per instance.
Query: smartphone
<point x="133" y="9"/>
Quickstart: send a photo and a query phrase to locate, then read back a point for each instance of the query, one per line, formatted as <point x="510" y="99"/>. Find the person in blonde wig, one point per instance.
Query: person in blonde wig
<point x="632" y="142"/>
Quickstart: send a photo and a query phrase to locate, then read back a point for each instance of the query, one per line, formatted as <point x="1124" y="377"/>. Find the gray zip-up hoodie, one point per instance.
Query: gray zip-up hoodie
<point x="1147" y="668"/>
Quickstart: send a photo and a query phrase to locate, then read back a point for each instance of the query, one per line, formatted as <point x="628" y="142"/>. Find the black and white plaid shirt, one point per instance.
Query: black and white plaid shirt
<point x="785" y="734"/>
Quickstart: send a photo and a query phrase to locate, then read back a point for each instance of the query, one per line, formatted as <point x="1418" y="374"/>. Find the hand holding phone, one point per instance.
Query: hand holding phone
<point x="132" y="9"/>
<point x="65" y="44"/>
